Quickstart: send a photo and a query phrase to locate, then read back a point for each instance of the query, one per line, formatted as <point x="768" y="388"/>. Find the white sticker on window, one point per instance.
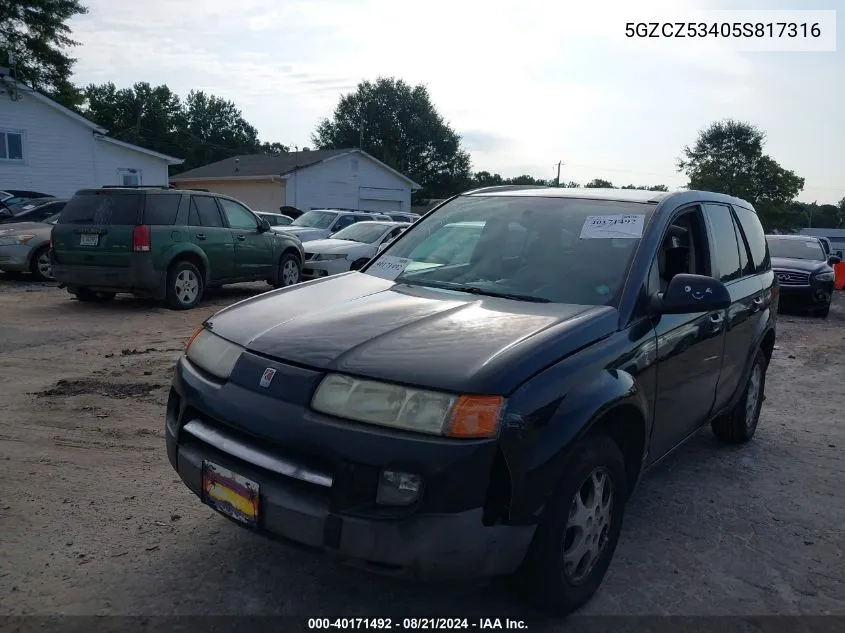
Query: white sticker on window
<point x="388" y="267"/>
<point x="605" y="227"/>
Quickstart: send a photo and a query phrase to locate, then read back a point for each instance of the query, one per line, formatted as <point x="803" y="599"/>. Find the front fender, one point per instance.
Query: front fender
<point x="550" y="413"/>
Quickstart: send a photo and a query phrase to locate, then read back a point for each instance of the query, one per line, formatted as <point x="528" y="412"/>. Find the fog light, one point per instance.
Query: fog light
<point x="396" y="488"/>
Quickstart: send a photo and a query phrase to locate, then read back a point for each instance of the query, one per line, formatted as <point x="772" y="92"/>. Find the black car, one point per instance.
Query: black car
<point x="34" y="210"/>
<point x="804" y="272"/>
<point x="9" y="197"/>
<point x="482" y="402"/>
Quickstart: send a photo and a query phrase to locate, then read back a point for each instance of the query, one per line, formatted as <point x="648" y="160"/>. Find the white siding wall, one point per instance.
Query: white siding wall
<point x="338" y="183"/>
<point x="111" y="158"/>
<point x="61" y="154"/>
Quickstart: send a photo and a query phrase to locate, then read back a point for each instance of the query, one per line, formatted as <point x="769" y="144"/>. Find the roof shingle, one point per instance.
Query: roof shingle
<point x="259" y="164"/>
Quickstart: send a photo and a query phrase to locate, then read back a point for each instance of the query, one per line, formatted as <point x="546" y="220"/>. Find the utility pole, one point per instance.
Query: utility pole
<point x="559" y="163"/>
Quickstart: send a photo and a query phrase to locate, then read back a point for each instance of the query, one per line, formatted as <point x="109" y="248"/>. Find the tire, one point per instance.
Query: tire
<point x="738" y="426"/>
<point x="40" y="265"/>
<point x="358" y="263"/>
<point x="548" y="578"/>
<point x="290" y="271"/>
<point x="185" y="286"/>
<point x="86" y="294"/>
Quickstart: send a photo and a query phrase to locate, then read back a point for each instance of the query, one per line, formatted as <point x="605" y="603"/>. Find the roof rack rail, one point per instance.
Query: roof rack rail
<point x="493" y="188"/>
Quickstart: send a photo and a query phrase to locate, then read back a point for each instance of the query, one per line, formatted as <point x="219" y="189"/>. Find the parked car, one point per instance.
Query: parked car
<point x="9" y="197"/>
<point x="274" y="219"/>
<point x="319" y="224"/>
<point x="348" y="249"/>
<point x="491" y="414"/>
<point x="25" y="247"/>
<point x="35" y="210"/>
<point x="410" y="218"/>
<point x="166" y="243"/>
<point x="804" y="272"/>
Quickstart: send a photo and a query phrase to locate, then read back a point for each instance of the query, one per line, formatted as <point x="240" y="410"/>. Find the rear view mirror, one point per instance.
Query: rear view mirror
<point x="835" y="259"/>
<point x="687" y="294"/>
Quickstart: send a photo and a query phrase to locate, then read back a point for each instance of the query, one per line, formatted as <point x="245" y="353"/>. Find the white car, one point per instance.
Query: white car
<point x="318" y="224"/>
<point x="348" y="249"/>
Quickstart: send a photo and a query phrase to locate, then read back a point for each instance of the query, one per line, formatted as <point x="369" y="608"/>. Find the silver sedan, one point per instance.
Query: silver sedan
<point x="25" y="247"/>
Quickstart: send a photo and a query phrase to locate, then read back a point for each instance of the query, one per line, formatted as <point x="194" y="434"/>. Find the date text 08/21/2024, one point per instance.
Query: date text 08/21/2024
<point x="415" y="624"/>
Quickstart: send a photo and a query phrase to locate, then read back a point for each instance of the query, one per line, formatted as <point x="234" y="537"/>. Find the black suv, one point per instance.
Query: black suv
<point x="482" y="402"/>
<point x="804" y="272"/>
<point x="170" y="244"/>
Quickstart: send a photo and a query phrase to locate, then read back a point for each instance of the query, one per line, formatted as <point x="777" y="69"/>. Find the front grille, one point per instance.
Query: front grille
<point x="792" y="278"/>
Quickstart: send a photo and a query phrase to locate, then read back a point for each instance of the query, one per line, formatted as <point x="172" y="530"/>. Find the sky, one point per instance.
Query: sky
<point x="526" y="83"/>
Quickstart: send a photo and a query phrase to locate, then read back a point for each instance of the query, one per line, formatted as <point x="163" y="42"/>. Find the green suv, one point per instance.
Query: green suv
<point x="170" y="244"/>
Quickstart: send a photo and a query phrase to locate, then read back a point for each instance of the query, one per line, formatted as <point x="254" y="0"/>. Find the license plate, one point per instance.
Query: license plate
<point x="87" y="239"/>
<point x="230" y="493"/>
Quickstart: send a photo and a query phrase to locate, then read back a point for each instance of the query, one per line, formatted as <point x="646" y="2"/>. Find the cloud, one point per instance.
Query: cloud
<point x="527" y="83"/>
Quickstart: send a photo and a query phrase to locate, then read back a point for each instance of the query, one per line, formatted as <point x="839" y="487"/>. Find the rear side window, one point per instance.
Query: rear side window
<point x="206" y="210"/>
<point x="102" y="208"/>
<point x="161" y="209"/>
<point x="724" y="242"/>
<point x="756" y="238"/>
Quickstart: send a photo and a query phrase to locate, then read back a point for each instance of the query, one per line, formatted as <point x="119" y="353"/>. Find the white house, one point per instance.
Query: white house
<point x="47" y="148"/>
<point x="320" y="179"/>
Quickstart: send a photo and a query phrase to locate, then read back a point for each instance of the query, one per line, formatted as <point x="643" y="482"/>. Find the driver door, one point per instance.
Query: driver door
<point x="253" y="248"/>
<point x="689" y="346"/>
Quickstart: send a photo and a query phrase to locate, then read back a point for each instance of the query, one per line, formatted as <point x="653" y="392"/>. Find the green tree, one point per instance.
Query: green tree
<point x="34" y="40"/>
<point x="398" y="124"/>
<point x="646" y="187"/>
<point x="728" y="158"/>
<point x="200" y="129"/>
<point x="598" y="183"/>
<point x="274" y="149"/>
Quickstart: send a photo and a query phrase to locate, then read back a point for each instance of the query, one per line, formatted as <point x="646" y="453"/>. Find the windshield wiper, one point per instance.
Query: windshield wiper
<point x="474" y="290"/>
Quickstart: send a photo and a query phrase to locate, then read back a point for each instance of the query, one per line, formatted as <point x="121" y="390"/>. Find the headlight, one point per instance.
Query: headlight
<point x="16" y="240"/>
<point x="824" y="277"/>
<point x="327" y="256"/>
<point x="215" y="355"/>
<point x="406" y="408"/>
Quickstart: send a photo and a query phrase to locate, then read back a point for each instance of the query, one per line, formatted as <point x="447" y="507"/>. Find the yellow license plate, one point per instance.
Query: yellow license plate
<point x="230" y="493"/>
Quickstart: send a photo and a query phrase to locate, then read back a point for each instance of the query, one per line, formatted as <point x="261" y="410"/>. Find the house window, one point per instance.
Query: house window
<point x="11" y="145"/>
<point x="129" y="177"/>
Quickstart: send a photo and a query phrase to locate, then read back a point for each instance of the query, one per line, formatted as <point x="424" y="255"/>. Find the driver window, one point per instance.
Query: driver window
<point x="343" y="222"/>
<point x="239" y="217"/>
<point x="683" y="251"/>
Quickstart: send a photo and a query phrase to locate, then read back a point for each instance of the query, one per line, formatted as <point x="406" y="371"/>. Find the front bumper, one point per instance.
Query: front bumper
<point x="318" y="479"/>
<point x="15" y="258"/>
<point x="314" y="269"/>
<point x="814" y="294"/>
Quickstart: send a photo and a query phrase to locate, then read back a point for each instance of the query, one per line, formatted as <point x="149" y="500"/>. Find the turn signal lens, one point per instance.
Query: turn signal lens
<point x="476" y="416"/>
<point x="193" y="336"/>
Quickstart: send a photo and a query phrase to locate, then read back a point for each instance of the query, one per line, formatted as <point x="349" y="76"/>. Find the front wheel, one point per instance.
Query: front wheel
<point x="41" y="267"/>
<point x="184" y="286"/>
<point x="579" y="530"/>
<point x="289" y="271"/>
<point x="738" y="426"/>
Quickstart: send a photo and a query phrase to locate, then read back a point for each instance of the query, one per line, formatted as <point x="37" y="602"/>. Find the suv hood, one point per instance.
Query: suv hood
<point x="807" y="265"/>
<point x="363" y="325"/>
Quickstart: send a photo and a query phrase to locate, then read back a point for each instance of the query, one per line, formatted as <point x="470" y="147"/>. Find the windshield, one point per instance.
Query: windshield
<point x="795" y="249"/>
<point x="315" y="219"/>
<point x="561" y="250"/>
<point x="365" y="232"/>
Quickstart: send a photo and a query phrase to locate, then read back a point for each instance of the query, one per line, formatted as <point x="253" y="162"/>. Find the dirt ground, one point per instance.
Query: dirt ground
<point x="94" y="521"/>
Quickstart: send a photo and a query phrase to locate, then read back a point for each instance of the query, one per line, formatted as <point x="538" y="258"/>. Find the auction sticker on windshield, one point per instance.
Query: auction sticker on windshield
<point x="625" y="225"/>
<point x="388" y="267"/>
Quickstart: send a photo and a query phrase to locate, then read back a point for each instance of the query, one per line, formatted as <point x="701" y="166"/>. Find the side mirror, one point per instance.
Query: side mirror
<point x="687" y="294"/>
<point x="835" y="259"/>
<point x="263" y="225"/>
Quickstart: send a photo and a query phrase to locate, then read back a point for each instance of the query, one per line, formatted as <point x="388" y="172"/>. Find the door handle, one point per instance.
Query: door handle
<point x="716" y="321"/>
<point x="200" y="236"/>
<point x="241" y="238"/>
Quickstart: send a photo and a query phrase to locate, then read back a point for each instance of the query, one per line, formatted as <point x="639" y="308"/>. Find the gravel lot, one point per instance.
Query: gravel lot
<point x="94" y="521"/>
